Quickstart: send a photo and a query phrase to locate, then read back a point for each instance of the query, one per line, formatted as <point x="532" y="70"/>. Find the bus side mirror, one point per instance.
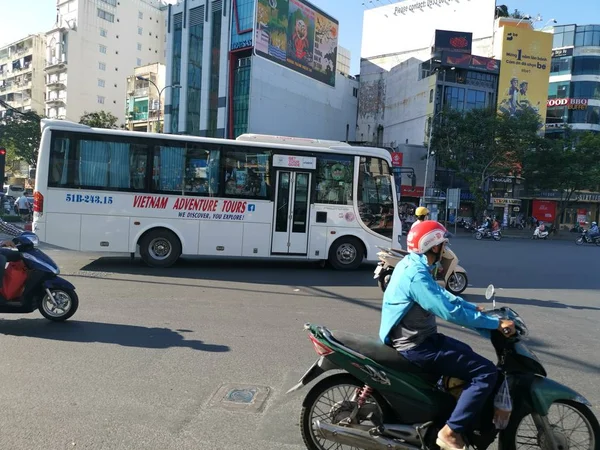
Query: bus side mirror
<point x="413" y="180"/>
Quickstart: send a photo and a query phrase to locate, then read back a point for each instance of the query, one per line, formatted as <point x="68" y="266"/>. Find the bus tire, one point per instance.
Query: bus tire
<point x="346" y="253"/>
<point x="160" y="248"/>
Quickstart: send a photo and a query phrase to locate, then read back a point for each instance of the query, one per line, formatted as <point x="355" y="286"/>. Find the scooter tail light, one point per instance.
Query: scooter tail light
<point x="320" y="348"/>
<point x="38" y="202"/>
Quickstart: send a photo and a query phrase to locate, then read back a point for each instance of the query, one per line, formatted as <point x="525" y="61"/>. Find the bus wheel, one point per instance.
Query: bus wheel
<point x="346" y="253"/>
<point x="160" y="248"/>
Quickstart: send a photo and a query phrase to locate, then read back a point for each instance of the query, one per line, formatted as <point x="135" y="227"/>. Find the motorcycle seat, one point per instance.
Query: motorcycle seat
<point x="387" y="356"/>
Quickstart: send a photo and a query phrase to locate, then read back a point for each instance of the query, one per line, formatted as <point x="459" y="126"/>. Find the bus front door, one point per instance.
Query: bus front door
<point x="292" y="200"/>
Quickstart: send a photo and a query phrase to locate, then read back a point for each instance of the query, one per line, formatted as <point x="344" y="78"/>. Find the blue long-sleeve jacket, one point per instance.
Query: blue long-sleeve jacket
<point x="411" y="283"/>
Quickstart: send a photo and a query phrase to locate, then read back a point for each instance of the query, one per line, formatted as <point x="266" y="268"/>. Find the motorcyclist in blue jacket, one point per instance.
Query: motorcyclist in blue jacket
<point x="411" y="303"/>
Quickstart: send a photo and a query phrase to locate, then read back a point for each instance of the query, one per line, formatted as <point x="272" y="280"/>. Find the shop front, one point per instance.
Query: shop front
<point x="506" y="210"/>
<point x="582" y="208"/>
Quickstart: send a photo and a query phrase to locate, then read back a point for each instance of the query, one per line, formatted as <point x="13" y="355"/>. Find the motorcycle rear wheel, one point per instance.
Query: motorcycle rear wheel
<point x="335" y="411"/>
<point x="513" y="433"/>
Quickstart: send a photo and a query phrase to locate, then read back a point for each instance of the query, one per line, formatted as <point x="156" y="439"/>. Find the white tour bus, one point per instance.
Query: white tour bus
<point x="163" y="196"/>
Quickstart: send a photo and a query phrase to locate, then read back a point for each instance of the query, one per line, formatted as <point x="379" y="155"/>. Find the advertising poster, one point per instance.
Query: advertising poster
<point x="524" y="71"/>
<point x="298" y="36"/>
<point x="544" y="210"/>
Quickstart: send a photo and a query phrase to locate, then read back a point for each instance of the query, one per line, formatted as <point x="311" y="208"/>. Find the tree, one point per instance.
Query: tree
<point x="502" y="11"/>
<point x="565" y="166"/>
<point x="480" y="144"/>
<point x="99" y="119"/>
<point x="516" y="14"/>
<point x="21" y="135"/>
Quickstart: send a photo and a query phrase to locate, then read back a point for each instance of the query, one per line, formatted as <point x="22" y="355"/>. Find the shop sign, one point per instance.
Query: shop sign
<point x="454" y="41"/>
<point x="397" y="159"/>
<point x="471" y="62"/>
<point x="559" y="53"/>
<point x="295" y="162"/>
<point x="505" y="180"/>
<point x="570" y="103"/>
<point x="506" y="201"/>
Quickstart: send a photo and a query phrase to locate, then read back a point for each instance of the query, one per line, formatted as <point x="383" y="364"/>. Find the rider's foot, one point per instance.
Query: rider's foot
<point x="449" y="440"/>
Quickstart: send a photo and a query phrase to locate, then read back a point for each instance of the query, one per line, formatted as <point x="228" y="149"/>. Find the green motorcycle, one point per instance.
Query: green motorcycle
<point x="380" y="401"/>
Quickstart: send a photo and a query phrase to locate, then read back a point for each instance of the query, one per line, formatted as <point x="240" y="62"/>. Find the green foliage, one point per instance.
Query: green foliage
<point x="99" y="119"/>
<point x="480" y="144"/>
<point x="565" y="165"/>
<point x="21" y="135"/>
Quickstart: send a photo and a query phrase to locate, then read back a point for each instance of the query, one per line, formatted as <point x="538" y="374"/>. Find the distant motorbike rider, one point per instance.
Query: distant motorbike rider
<point x="421" y="213"/>
<point x="594" y="231"/>
<point x="411" y="303"/>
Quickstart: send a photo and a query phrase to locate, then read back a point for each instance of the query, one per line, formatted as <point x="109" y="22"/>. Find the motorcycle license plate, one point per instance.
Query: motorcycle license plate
<point x="377" y="272"/>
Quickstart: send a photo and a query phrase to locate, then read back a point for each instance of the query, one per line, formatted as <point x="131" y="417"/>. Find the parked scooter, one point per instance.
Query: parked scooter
<point x="381" y="401"/>
<point x="585" y="238"/>
<point x="486" y="233"/>
<point x="451" y="276"/>
<point x="538" y="234"/>
<point x="31" y="282"/>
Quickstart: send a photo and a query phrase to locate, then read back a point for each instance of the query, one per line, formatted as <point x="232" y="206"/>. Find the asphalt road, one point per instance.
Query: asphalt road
<point x="138" y="365"/>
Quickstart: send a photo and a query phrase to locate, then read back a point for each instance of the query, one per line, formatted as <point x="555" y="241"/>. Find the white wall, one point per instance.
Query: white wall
<point x="286" y="103"/>
<point x="122" y="53"/>
<point x="410" y="25"/>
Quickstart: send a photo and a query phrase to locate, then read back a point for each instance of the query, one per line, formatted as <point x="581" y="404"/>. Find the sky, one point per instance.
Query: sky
<point x="24" y="17"/>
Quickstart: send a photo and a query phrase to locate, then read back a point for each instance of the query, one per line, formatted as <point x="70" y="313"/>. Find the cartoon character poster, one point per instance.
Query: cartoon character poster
<point x="301" y="32"/>
<point x="299" y="36"/>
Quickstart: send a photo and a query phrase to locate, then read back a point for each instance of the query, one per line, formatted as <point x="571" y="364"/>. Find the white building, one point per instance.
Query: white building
<point x="22" y="74"/>
<point x="92" y="48"/>
<point x="227" y="90"/>
<point x="145" y="109"/>
<point x="406" y="76"/>
<point x="344" y="56"/>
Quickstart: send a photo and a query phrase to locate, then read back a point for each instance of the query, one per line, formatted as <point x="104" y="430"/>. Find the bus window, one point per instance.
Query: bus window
<point x="247" y="173"/>
<point x="375" y="201"/>
<point x="334" y="179"/>
<point x="201" y="171"/>
<point x="168" y="167"/>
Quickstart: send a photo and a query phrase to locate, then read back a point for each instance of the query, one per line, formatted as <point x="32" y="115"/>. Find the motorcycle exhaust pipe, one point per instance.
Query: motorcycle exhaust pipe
<point x="358" y="438"/>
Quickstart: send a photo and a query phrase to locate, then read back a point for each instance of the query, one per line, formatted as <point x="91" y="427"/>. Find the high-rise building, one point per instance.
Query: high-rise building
<point x="92" y="48"/>
<point x="22" y="74"/>
<point x="574" y="91"/>
<point x="277" y="74"/>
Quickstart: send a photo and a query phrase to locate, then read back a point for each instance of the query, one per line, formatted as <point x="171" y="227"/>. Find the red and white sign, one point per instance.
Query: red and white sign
<point x="295" y="162"/>
<point x="581" y="216"/>
<point x="196" y="208"/>
<point x="409" y="191"/>
<point x="571" y="103"/>
<point x="544" y="210"/>
<point x="397" y="158"/>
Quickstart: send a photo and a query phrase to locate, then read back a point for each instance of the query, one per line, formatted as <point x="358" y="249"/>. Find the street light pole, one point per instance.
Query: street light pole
<point x="160" y="92"/>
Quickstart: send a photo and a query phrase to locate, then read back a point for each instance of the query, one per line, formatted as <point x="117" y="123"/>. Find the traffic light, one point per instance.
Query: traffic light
<point x="2" y="163"/>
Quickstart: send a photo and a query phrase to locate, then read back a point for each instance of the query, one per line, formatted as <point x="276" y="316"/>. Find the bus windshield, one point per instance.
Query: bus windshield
<point x="375" y="198"/>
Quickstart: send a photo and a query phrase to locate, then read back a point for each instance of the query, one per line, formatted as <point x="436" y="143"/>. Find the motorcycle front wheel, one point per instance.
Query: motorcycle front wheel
<point x="63" y="307"/>
<point x="457" y="283"/>
<point x="332" y="400"/>
<point x="579" y="241"/>
<point x="384" y="279"/>
<point x="583" y="434"/>
<point x="478" y="235"/>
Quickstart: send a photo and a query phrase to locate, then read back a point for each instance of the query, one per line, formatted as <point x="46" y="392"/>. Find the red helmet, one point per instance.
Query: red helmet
<point x="425" y="235"/>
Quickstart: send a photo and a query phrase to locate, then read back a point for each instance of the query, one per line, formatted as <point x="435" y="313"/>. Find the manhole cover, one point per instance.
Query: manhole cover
<point x="240" y="397"/>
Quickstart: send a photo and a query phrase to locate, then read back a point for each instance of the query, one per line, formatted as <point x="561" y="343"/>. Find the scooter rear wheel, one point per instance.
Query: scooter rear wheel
<point x="67" y="303"/>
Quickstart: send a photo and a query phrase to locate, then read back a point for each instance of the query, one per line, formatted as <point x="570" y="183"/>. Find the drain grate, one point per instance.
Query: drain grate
<point x="240" y="397"/>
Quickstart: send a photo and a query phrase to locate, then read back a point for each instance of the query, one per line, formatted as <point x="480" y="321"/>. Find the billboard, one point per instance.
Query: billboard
<point x="455" y="41"/>
<point x="524" y="71"/>
<point x="298" y="36"/>
<point x="471" y="62"/>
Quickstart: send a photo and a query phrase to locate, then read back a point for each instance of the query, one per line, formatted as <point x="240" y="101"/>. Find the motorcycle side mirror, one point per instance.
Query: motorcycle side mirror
<point x="490" y="293"/>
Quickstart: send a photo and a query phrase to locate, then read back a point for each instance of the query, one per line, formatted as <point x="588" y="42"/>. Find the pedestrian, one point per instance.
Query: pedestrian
<point x="22" y="204"/>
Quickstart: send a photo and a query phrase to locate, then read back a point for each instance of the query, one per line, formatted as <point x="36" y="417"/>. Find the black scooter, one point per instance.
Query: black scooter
<point x="31" y="282"/>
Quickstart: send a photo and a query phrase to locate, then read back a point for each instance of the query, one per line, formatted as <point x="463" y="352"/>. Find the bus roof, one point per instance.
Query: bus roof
<point x="254" y="140"/>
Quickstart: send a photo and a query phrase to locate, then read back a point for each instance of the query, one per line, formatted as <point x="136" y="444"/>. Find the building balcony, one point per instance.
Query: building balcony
<point x="55" y="65"/>
<point x="56" y="84"/>
<point x="134" y="117"/>
<point x="57" y="101"/>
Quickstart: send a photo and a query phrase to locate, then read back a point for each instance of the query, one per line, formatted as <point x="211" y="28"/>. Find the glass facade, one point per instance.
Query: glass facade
<point x="559" y="90"/>
<point x="463" y="99"/>
<point x="586" y="65"/>
<point x="586" y="89"/>
<point x="564" y="36"/>
<point x="243" y="24"/>
<point x="176" y="71"/>
<point x="196" y="41"/>
<point x="241" y="95"/>
<point x="588" y="35"/>
<point x="215" y="59"/>
<point x="561" y="66"/>
<point x="591" y="115"/>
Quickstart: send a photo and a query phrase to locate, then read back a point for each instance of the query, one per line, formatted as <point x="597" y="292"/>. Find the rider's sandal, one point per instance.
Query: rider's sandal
<point x="443" y="445"/>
